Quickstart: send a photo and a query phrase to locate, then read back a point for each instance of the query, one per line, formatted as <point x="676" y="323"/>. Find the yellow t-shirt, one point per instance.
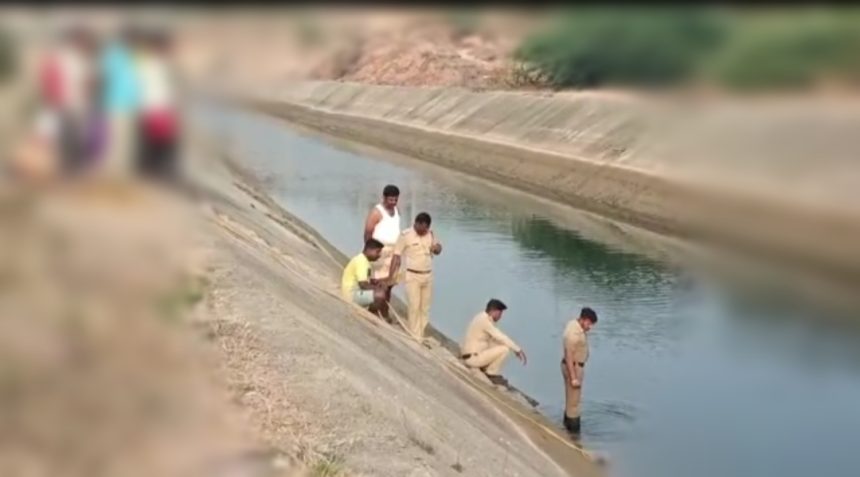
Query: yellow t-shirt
<point x="357" y="270"/>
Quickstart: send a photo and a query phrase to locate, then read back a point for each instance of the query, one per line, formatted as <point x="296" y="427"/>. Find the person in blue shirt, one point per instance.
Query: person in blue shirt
<point x="120" y="100"/>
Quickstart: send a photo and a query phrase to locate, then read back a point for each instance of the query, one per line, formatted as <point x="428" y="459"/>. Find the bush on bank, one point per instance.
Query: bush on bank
<point x="741" y="49"/>
<point x="596" y="47"/>
<point x="790" y="50"/>
<point x="7" y="56"/>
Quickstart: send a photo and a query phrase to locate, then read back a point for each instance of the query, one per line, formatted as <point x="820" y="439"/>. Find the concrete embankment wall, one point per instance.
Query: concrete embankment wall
<point x="756" y="178"/>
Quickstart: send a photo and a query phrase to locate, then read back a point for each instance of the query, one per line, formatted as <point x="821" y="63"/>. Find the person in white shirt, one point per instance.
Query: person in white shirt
<point x="383" y="224"/>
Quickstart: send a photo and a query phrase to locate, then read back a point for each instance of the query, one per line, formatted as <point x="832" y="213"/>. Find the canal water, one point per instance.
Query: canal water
<point x="685" y="377"/>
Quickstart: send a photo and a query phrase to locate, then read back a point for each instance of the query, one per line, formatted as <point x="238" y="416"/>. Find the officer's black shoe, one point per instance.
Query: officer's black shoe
<point x="571" y="424"/>
<point x="497" y="379"/>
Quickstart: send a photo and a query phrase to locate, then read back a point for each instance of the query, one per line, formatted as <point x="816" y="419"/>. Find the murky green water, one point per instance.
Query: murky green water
<point x="685" y="379"/>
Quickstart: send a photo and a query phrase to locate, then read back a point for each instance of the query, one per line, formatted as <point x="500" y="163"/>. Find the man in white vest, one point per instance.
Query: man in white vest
<point x="383" y="224"/>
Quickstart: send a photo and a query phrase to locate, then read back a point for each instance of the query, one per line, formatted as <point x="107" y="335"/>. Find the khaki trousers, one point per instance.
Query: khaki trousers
<point x="419" y="290"/>
<point x="572" y="396"/>
<point x="493" y="358"/>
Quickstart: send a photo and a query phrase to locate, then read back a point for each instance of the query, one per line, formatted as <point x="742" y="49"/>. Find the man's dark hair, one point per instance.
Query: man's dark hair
<point x="495" y="304"/>
<point x="391" y="191"/>
<point x="588" y="314"/>
<point x="372" y="244"/>
<point x="423" y="218"/>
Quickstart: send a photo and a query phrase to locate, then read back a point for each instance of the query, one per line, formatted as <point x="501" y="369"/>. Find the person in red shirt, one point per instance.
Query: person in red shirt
<point x="159" y="116"/>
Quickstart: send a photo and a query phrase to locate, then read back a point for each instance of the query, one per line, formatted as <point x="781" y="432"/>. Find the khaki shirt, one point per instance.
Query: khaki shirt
<point x="575" y="341"/>
<point x="483" y="333"/>
<point x="414" y="250"/>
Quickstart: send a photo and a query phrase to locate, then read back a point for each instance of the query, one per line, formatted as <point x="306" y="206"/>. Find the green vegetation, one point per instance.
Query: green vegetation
<point x="329" y="465"/>
<point x="8" y="60"/>
<point x="586" y="48"/>
<point x="594" y="47"/>
<point x="464" y="21"/>
<point x="173" y="305"/>
<point x="309" y="31"/>
<point x="790" y="49"/>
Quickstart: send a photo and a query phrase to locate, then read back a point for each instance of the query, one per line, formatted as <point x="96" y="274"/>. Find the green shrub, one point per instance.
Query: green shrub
<point x="309" y="32"/>
<point x="739" y="49"/>
<point x="464" y="21"/>
<point x="790" y="50"/>
<point x="8" y="60"/>
<point x="595" y="47"/>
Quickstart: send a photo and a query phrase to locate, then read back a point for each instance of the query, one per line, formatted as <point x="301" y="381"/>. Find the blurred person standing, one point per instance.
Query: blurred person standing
<point x="158" y="122"/>
<point x="120" y="100"/>
<point x="66" y="83"/>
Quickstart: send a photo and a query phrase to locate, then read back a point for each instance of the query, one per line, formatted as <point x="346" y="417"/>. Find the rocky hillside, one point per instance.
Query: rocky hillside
<point x="414" y="48"/>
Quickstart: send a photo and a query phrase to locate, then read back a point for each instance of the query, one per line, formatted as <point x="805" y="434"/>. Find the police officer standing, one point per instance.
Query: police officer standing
<point x="417" y="245"/>
<point x="575" y="350"/>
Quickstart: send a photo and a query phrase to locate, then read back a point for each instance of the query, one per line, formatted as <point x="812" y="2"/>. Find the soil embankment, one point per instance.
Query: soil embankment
<point x="727" y="174"/>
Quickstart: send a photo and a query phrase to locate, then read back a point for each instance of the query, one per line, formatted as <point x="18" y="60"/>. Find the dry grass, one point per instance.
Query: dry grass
<point x="327" y="466"/>
<point x="249" y="369"/>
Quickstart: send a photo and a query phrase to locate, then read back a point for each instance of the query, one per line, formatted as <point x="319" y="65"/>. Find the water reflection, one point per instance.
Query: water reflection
<point x="602" y="265"/>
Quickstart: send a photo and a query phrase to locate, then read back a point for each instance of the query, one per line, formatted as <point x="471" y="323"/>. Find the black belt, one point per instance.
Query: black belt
<point x="581" y="364"/>
<point x="418" y="271"/>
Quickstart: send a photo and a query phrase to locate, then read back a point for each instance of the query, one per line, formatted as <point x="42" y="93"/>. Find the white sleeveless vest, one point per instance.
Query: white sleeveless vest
<point x="387" y="230"/>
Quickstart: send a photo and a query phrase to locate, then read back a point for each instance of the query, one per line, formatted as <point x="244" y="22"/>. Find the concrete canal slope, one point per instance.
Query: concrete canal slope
<point x="774" y="178"/>
<point x="378" y="400"/>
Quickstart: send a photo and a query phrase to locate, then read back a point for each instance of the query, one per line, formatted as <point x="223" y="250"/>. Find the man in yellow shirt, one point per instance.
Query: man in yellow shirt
<point x="485" y="347"/>
<point x="575" y="349"/>
<point x="356" y="285"/>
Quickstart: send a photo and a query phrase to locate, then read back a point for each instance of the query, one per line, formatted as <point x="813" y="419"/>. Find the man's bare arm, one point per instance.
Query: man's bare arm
<point x="395" y="266"/>
<point x="373" y="218"/>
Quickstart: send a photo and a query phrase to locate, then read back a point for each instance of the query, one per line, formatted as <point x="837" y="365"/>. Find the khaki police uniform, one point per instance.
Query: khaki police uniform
<point x="416" y="258"/>
<point x="575" y="341"/>
<point x="485" y="346"/>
